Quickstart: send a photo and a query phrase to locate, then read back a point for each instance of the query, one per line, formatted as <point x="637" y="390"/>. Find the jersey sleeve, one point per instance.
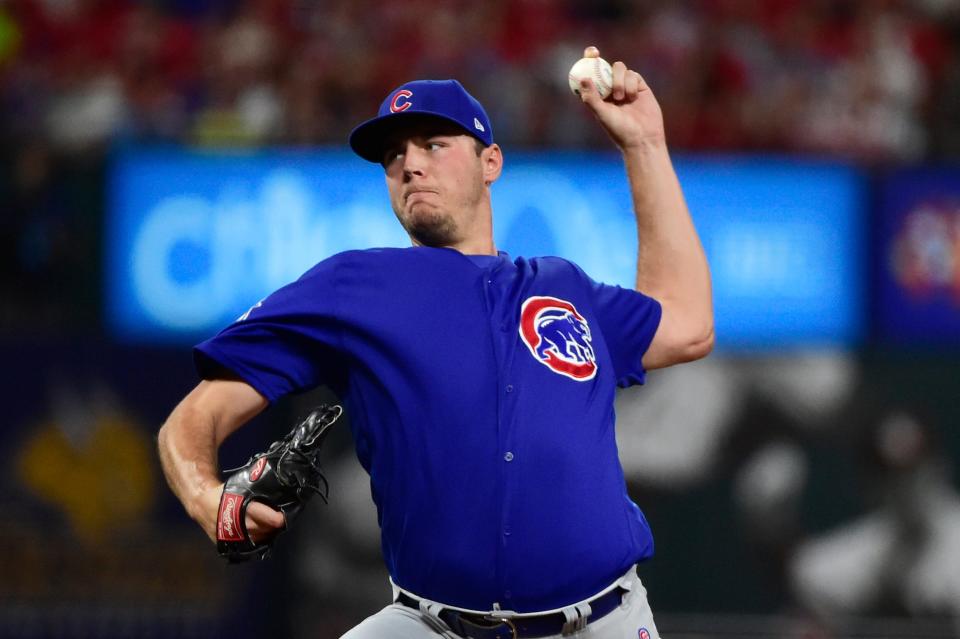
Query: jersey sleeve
<point x="628" y="320"/>
<point x="286" y="343"/>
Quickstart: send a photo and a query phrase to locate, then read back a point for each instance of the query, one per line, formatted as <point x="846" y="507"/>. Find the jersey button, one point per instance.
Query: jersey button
<point x="509" y="388"/>
<point x="508" y="456"/>
<point x="507" y="594"/>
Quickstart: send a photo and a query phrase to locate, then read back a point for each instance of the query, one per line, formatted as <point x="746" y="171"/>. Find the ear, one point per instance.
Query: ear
<point x="491" y="159"/>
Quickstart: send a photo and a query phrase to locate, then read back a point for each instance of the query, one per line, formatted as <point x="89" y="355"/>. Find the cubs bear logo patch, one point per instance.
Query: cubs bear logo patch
<point x="558" y="337"/>
<point x="643" y="633"/>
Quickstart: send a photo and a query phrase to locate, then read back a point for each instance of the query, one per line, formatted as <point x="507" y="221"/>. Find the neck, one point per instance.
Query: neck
<point x="478" y="246"/>
<point x="483" y="246"/>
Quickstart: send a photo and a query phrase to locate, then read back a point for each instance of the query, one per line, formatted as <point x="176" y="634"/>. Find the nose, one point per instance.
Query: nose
<point x="414" y="160"/>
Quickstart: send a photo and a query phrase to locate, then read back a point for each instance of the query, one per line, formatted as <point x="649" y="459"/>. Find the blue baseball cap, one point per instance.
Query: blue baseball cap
<point x="445" y="99"/>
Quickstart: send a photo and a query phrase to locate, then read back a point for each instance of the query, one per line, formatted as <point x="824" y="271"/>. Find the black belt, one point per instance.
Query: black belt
<point x="483" y="626"/>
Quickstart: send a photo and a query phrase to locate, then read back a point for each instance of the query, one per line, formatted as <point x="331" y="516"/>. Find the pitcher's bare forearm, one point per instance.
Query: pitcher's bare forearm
<point x="188" y="450"/>
<point x="671" y="263"/>
<point x="189" y="440"/>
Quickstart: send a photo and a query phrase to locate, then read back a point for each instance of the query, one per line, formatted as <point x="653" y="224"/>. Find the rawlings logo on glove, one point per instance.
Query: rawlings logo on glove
<point x="283" y="477"/>
<point x="228" y="522"/>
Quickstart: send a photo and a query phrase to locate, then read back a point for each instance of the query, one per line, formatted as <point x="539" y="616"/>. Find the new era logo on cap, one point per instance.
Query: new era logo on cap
<point x="444" y="99"/>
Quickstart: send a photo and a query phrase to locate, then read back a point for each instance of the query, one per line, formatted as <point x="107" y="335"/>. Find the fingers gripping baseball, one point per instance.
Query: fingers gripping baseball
<point x="632" y="83"/>
<point x="630" y="114"/>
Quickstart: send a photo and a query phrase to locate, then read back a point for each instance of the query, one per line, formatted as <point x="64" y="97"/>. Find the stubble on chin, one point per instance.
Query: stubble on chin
<point x="434" y="228"/>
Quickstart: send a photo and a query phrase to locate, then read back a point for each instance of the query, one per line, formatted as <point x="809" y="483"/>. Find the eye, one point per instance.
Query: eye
<point x="390" y="156"/>
<point x="435" y="146"/>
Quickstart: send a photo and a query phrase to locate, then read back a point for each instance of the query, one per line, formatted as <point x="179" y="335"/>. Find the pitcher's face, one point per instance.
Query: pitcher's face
<point x="435" y="176"/>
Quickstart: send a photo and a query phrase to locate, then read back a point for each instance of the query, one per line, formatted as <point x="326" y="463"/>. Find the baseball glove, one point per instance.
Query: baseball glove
<point x="283" y="477"/>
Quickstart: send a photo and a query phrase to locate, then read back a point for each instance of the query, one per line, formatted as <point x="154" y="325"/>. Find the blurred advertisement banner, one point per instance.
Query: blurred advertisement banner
<point x="918" y="270"/>
<point x="195" y="239"/>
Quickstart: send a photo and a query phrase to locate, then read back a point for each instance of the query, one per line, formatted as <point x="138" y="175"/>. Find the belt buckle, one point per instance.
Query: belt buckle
<point x="507" y="622"/>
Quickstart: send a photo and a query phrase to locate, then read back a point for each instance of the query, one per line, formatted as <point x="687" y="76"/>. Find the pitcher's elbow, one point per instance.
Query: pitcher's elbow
<point x="705" y="346"/>
<point x="700" y="345"/>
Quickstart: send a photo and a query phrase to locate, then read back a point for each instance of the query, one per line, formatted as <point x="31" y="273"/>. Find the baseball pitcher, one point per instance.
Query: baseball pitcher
<point x="480" y="385"/>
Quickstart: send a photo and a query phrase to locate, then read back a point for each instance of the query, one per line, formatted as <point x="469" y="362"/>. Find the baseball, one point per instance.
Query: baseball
<point x="597" y="69"/>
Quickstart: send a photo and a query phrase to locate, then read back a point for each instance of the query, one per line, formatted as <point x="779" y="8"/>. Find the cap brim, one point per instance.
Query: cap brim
<point x="369" y="139"/>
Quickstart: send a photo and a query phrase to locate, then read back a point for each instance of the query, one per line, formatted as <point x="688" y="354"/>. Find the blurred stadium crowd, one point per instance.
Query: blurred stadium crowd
<point x="871" y="80"/>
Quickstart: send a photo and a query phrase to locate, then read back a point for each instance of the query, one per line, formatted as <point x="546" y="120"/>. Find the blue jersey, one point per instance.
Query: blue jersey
<point x="481" y="395"/>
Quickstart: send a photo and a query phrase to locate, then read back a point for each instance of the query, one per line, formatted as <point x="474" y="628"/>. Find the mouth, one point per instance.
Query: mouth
<point x="413" y="192"/>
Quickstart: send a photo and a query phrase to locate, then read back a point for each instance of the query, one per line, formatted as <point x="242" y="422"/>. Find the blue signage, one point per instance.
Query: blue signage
<point x="196" y="238"/>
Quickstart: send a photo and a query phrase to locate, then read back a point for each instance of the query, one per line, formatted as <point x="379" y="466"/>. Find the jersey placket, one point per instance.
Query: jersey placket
<point x="500" y="334"/>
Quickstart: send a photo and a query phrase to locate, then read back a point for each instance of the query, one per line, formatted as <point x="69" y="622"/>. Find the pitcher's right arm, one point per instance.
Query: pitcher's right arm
<point x="188" y="443"/>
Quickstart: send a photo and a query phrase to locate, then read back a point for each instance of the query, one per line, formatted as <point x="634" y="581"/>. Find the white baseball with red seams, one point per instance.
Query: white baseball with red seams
<point x="597" y="69"/>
